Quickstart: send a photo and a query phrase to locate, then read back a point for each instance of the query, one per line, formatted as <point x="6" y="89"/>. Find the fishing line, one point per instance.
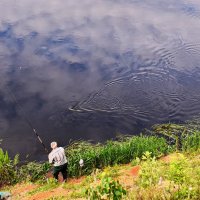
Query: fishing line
<point x="14" y="99"/>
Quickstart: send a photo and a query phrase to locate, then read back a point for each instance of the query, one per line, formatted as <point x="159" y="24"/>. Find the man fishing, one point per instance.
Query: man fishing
<point x="58" y="159"/>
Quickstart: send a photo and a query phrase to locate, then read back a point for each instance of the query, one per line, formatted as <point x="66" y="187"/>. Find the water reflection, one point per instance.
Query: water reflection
<point x="93" y="69"/>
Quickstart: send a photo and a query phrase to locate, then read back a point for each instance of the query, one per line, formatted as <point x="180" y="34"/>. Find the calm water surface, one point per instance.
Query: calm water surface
<point x="95" y="68"/>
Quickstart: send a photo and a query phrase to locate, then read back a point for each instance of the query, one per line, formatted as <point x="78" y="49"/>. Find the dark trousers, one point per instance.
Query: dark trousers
<point x="62" y="169"/>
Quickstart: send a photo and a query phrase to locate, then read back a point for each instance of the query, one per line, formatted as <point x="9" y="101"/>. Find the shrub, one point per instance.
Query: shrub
<point x="8" y="173"/>
<point x="33" y="171"/>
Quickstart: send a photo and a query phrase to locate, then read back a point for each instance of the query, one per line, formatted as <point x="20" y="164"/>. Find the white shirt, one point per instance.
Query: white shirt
<point x="58" y="156"/>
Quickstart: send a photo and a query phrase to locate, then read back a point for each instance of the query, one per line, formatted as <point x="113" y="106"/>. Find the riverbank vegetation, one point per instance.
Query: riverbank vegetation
<point x="129" y="167"/>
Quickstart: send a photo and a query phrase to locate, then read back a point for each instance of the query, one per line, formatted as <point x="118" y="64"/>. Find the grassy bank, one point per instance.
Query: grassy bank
<point x="94" y="156"/>
<point x="177" y="179"/>
<point x="175" y="176"/>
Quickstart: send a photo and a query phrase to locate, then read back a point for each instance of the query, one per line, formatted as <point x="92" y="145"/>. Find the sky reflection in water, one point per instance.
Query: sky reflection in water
<point x="92" y="69"/>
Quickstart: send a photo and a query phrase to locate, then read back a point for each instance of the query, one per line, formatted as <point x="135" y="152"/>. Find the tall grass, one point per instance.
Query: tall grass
<point x="112" y="152"/>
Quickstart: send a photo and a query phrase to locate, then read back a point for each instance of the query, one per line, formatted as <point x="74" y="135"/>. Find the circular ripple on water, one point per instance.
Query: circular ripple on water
<point x="145" y="95"/>
<point x="161" y="84"/>
<point x="187" y="57"/>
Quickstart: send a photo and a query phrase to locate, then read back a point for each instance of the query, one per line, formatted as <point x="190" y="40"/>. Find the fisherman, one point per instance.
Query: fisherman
<point x="58" y="159"/>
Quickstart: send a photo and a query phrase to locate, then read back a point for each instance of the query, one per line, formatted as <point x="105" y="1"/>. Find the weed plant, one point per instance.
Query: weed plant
<point x="150" y="172"/>
<point x="107" y="189"/>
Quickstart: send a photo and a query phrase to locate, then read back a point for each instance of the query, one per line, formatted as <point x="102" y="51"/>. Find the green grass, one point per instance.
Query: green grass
<point x="112" y="152"/>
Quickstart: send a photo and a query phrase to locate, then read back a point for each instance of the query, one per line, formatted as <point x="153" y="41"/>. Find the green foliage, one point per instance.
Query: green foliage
<point x="111" y="153"/>
<point x="150" y="171"/>
<point x="147" y="156"/>
<point x="109" y="172"/>
<point x="178" y="170"/>
<point x="33" y="171"/>
<point x="185" y="192"/>
<point x="108" y="189"/>
<point x="177" y="179"/>
<point x="184" y="176"/>
<point x="8" y="173"/>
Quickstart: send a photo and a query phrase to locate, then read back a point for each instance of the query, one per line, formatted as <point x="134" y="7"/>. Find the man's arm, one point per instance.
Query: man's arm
<point x="50" y="158"/>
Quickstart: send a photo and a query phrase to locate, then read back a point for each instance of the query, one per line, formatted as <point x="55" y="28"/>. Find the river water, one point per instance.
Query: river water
<point x="94" y="69"/>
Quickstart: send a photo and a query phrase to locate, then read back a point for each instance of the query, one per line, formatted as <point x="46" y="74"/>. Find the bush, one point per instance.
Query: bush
<point x="33" y="171"/>
<point x="8" y="173"/>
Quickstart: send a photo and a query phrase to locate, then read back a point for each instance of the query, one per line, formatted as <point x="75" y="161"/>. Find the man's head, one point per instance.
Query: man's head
<point x="53" y="145"/>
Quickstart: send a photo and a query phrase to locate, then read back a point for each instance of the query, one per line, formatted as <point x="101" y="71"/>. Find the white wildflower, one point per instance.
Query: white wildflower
<point x="81" y="163"/>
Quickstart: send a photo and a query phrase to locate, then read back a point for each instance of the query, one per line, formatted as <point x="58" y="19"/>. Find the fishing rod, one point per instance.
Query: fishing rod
<point x="14" y="99"/>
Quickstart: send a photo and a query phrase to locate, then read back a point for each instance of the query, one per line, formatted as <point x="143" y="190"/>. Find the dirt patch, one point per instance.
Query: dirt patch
<point x="171" y="157"/>
<point x="21" y="189"/>
<point x="76" y="180"/>
<point x="47" y="194"/>
<point x="165" y="159"/>
<point x="128" y="175"/>
<point x="135" y="171"/>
